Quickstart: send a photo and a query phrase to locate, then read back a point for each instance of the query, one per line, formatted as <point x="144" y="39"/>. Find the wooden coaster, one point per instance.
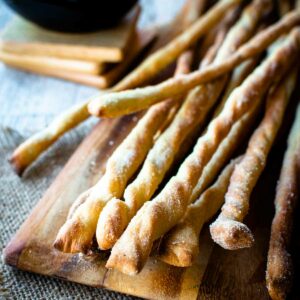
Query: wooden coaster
<point x="84" y="72"/>
<point x="109" y="45"/>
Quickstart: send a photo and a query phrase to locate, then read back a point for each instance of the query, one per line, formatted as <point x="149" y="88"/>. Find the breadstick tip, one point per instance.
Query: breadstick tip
<point x="111" y="224"/>
<point x="121" y="262"/>
<point x="16" y="162"/>
<point x="71" y="238"/>
<point x="180" y="252"/>
<point x="230" y="234"/>
<point x="75" y="235"/>
<point x="279" y="283"/>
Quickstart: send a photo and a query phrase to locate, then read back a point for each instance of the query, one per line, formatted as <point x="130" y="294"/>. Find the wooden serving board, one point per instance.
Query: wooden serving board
<point x="217" y="273"/>
<point x="31" y="248"/>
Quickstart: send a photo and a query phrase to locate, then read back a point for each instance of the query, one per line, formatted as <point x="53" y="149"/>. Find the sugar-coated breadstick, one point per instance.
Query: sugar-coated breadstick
<point x="29" y="150"/>
<point x="180" y="246"/>
<point x="129" y="101"/>
<point x="117" y="214"/>
<point x="228" y="230"/>
<point x="184" y="256"/>
<point x="173" y="253"/>
<point x="77" y="233"/>
<point x="279" y="264"/>
<point x="158" y="216"/>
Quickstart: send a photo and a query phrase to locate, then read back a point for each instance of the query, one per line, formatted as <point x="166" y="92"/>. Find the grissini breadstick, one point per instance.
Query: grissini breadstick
<point x="163" y="57"/>
<point x="171" y="252"/>
<point x="77" y="233"/>
<point x="228" y="230"/>
<point x="279" y="265"/>
<point x="125" y="102"/>
<point x="174" y="253"/>
<point x="117" y="214"/>
<point x="184" y="61"/>
<point x="29" y="150"/>
<point x="180" y="246"/>
<point x="158" y="216"/>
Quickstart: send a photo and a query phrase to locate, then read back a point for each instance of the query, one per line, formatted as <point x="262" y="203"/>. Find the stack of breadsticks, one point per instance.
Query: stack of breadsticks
<point x="247" y="70"/>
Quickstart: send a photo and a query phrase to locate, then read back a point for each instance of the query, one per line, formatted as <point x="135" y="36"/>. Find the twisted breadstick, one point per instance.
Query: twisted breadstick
<point x="228" y="230"/>
<point x="117" y="104"/>
<point x="183" y="253"/>
<point x="77" y="233"/>
<point x="117" y="214"/>
<point x="279" y="265"/>
<point x="158" y="216"/>
<point x="180" y="246"/>
<point x="30" y="150"/>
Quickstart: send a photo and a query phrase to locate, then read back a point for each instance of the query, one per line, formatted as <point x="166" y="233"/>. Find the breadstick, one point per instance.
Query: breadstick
<point x="29" y="150"/>
<point x="158" y="216"/>
<point x="163" y="57"/>
<point x="173" y="253"/>
<point x="117" y="214"/>
<point x="279" y="265"/>
<point x="125" y="102"/>
<point x="77" y="233"/>
<point x="180" y="246"/>
<point x="228" y="230"/>
<point x="184" y="256"/>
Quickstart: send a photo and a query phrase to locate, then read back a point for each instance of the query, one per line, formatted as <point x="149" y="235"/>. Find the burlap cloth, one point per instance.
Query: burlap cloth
<point x="27" y="103"/>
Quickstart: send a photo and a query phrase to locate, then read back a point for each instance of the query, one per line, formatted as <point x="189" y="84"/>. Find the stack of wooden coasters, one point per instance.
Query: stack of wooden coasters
<point x="98" y="59"/>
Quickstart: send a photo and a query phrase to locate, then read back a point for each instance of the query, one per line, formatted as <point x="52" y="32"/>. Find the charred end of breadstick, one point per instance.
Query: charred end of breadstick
<point x="230" y="234"/>
<point x="111" y="224"/>
<point x="124" y="262"/>
<point x="180" y="252"/>
<point x="71" y="238"/>
<point x="75" y="236"/>
<point x="17" y="163"/>
<point x="279" y="276"/>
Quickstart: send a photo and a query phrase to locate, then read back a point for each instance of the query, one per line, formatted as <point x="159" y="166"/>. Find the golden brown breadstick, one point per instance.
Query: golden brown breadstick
<point x="163" y="57"/>
<point x="180" y="246"/>
<point x="158" y="216"/>
<point x="184" y="256"/>
<point x="77" y="233"/>
<point x="228" y="230"/>
<point x="279" y="265"/>
<point x="117" y="214"/>
<point x="125" y="102"/>
<point x="181" y="256"/>
<point x="29" y="150"/>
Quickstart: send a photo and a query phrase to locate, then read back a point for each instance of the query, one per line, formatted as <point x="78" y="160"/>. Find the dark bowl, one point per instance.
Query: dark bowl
<point x="72" y="15"/>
